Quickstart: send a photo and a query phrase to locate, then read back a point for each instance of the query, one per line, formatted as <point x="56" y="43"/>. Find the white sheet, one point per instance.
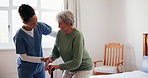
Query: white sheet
<point x="133" y="74"/>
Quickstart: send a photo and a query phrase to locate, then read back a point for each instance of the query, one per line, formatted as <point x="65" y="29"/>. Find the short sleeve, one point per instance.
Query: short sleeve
<point x="20" y="46"/>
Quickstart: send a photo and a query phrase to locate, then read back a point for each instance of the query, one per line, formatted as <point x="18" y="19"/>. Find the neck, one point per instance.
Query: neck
<point x="70" y="29"/>
<point x="27" y="28"/>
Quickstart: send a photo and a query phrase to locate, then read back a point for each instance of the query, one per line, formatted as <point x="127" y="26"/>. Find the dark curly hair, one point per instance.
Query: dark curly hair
<point x="26" y="12"/>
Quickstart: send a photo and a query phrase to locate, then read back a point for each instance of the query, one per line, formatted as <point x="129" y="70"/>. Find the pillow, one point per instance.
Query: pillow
<point x="144" y="67"/>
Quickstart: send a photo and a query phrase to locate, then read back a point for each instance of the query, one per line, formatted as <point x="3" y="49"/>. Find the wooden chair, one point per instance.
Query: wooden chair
<point x="113" y="60"/>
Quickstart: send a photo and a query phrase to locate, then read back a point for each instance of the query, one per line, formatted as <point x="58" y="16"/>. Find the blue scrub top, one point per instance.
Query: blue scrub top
<point x="32" y="46"/>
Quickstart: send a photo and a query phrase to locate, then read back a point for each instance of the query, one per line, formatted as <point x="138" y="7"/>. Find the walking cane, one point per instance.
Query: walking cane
<point x="52" y="72"/>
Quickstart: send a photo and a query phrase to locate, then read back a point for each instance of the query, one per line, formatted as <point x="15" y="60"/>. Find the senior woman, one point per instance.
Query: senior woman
<point x="70" y="47"/>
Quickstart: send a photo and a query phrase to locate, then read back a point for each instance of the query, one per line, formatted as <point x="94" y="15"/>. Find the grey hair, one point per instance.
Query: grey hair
<point x="66" y="16"/>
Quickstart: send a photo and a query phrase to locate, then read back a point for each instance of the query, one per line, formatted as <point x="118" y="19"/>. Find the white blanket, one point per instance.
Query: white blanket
<point x="133" y="74"/>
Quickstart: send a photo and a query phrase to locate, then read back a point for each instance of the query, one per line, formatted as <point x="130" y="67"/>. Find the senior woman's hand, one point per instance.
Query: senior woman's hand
<point x="49" y="60"/>
<point x="51" y="67"/>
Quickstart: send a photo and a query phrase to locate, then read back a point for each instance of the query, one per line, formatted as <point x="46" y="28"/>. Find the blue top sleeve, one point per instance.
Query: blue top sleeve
<point x="46" y="29"/>
<point x="19" y="44"/>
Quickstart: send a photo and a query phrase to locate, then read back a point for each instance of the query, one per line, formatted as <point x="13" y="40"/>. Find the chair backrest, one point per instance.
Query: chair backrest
<point x="113" y="54"/>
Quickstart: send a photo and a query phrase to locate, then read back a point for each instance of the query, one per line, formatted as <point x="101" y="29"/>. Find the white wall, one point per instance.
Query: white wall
<point x="123" y="21"/>
<point x="128" y="20"/>
<point x="93" y="25"/>
<point x="136" y="24"/>
<point x="8" y="64"/>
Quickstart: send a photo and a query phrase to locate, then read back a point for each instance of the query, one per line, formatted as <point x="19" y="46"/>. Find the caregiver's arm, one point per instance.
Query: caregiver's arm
<point x="33" y="59"/>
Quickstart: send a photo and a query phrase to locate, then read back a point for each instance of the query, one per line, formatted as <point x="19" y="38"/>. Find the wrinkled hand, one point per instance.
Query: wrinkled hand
<point x="52" y="67"/>
<point x="49" y="60"/>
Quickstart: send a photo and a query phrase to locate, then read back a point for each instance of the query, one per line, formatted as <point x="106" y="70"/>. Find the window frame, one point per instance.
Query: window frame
<point x="10" y="8"/>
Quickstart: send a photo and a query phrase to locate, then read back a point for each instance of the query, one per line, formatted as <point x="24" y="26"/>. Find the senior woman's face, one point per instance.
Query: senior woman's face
<point x="63" y="26"/>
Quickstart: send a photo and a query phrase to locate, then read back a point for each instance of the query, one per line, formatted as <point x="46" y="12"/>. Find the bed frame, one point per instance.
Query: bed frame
<point x="145" y="44"/>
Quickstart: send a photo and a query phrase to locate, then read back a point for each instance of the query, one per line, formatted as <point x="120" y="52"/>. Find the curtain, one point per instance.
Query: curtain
<point x="73" y="6"/>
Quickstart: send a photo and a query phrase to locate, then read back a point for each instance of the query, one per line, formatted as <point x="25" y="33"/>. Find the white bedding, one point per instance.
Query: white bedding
<point x="133" y="74"/>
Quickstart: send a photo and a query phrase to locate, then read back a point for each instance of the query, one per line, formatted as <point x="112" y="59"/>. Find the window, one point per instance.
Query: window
<point x="3" y="26"/>
<point x="46" y="11"/>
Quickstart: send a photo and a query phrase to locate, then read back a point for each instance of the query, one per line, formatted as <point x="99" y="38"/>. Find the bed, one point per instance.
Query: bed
<point x="143" y="73"/>
<point x="133" y="74"/>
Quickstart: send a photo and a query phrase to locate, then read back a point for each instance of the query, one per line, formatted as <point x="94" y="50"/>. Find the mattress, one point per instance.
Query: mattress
<point x="133" y="74"/>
